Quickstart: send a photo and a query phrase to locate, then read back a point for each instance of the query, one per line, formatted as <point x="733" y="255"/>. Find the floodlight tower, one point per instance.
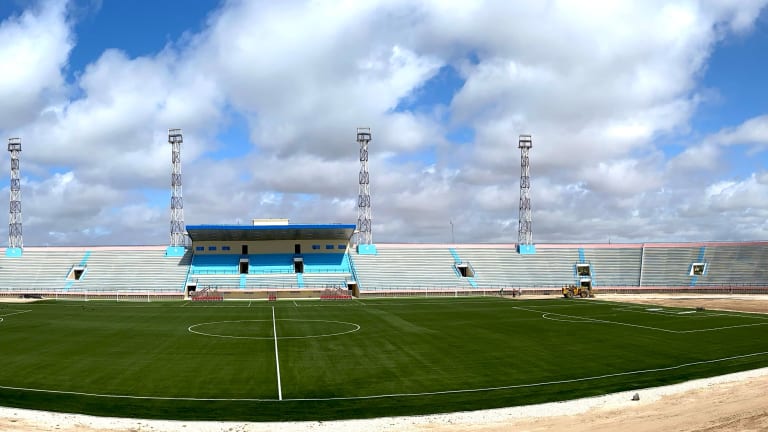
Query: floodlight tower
<point x="524" y="232"/>
<point x="178" y="238"/>
<point x="15" y="239"/>
<point x="364" y="235"/>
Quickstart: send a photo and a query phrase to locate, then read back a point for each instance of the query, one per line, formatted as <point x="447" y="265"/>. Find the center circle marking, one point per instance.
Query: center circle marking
<point x="196" y="328"/>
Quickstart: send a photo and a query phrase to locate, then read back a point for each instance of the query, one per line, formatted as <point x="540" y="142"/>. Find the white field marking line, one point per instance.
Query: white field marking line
<point x="356" y="328"/>
<point x="294" y="303"/>
<point x="684" y="314"/>
<point x="709" y="312"/>
<point x="712" y="313"/>
<point x="477" y="390"/>
<point x="358" y="301"/>
<point x="547" y="317"/>
<point x="642" y="326"/>
<point x="568" y="305"/>
<point x="660" y="312"/>
<point x="412" y="302"/>
<point x="670" y="313"/>
<point x="277" y="359"/>
<point x="16" y="313"/>
<point x="721" y="328"/>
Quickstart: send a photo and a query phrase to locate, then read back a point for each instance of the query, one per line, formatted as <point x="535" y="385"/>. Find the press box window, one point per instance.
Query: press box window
<point x="315" y="247"/>
<point x="329" y="246"/>
<point x="211" y="248"/>
<point x="199" y="248"/>
<point x="225" y="248"/>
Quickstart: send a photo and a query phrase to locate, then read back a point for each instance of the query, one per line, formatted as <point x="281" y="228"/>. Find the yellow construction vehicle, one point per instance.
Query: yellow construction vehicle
<point x="573" y="291"/>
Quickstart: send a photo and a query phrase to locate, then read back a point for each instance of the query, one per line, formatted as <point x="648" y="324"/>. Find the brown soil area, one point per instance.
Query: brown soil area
<point x="740" y="304"/>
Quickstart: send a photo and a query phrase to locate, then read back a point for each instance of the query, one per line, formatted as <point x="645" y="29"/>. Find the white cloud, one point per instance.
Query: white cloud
<point x="597" y="87"/>
<point x="34" y="47"/>
<point x="754" y="131"/>
<point x="743" y="196"/>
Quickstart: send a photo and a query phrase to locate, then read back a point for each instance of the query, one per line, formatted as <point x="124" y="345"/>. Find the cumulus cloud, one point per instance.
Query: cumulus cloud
<point x="754" y="131"/>
<point x="34" y="47"/>
<point x="597" y="87"/>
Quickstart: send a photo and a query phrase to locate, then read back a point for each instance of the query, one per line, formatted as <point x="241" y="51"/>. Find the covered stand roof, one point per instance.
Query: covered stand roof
<point x="270" y="232"/>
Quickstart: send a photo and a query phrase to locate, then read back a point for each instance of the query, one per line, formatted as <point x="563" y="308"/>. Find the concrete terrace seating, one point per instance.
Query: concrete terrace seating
<point x="273" y="280"/>
<point x="134" y="269"/>
<point x="504" y="267"/>
<point x="326" y="263"/>
<point x="614" y="266"/>
<point x="269" y="271"/>
<point x="232" y="281"/>
<point x="229" y="281"/>
<point x="668" y="265"/>
<point x="739" y="264"/>
<point x="326" y="280"/>
<point x="398" y="268"/>
<point x="215" y="264"/>
<point x="270" y="263"/>
<point x="38" y="268"/>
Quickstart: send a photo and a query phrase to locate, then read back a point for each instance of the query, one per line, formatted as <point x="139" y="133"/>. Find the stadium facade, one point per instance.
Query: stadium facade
<point x="309" y="260"/>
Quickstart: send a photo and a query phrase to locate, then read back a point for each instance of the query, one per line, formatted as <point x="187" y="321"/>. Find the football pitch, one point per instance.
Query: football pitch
<point x="313" y="360"/>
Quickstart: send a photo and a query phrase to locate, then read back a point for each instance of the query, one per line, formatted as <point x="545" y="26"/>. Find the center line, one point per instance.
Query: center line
<point x="277" y="359"/>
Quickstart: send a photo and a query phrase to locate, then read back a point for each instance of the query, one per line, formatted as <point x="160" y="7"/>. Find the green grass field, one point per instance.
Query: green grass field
<point x="354" y="359"/>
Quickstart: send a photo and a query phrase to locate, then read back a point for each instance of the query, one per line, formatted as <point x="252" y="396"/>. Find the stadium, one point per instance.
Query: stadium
<point x="276" y="321"/>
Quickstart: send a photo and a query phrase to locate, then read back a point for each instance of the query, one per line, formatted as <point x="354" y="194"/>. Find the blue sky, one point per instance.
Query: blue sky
<point x="648" y="119"/>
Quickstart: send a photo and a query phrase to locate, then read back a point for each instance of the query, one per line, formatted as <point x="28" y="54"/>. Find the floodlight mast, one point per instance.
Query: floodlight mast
<point x="15" y="238"/>
<point x="364" y="235"/>
<point x="178" y="237"/>
<point x="524" y="233"/>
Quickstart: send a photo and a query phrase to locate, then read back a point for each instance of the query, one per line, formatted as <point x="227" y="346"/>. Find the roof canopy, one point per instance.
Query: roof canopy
<point x="270" y="232"/>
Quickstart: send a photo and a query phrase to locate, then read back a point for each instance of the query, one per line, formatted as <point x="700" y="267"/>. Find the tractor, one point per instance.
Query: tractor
<point x="574" y="291"/>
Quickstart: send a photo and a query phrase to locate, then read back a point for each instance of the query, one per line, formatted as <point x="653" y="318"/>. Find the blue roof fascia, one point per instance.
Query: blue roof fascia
<point x="270" y="227"/>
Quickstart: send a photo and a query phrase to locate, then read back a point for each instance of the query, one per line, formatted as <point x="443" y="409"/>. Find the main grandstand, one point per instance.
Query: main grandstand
<point x="305" y="260"/>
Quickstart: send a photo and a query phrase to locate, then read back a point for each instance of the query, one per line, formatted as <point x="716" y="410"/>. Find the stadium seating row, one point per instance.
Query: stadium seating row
<point x="394" y="267"/>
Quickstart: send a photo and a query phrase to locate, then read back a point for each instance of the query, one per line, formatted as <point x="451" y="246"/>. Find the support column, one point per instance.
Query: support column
<point x="364" y="235"/>
<point x="178" y="234"/>
<point x="524" y="233"/>
<point x="15" y="237"/>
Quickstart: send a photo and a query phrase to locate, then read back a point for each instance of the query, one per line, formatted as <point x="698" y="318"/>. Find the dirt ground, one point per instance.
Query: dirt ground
<point x="737" y="402"/>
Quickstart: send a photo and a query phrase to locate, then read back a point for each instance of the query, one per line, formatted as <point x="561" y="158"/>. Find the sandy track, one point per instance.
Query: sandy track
<point x="735" y="402"/>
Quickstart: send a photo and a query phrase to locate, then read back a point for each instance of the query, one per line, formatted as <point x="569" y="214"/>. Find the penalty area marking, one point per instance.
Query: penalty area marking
<point x="547" y="317"/>
<point x="355" y="327"/>
<point x="393" y="395"/>
<point x="599" y="321"/>
<point x="13" y="313"/>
